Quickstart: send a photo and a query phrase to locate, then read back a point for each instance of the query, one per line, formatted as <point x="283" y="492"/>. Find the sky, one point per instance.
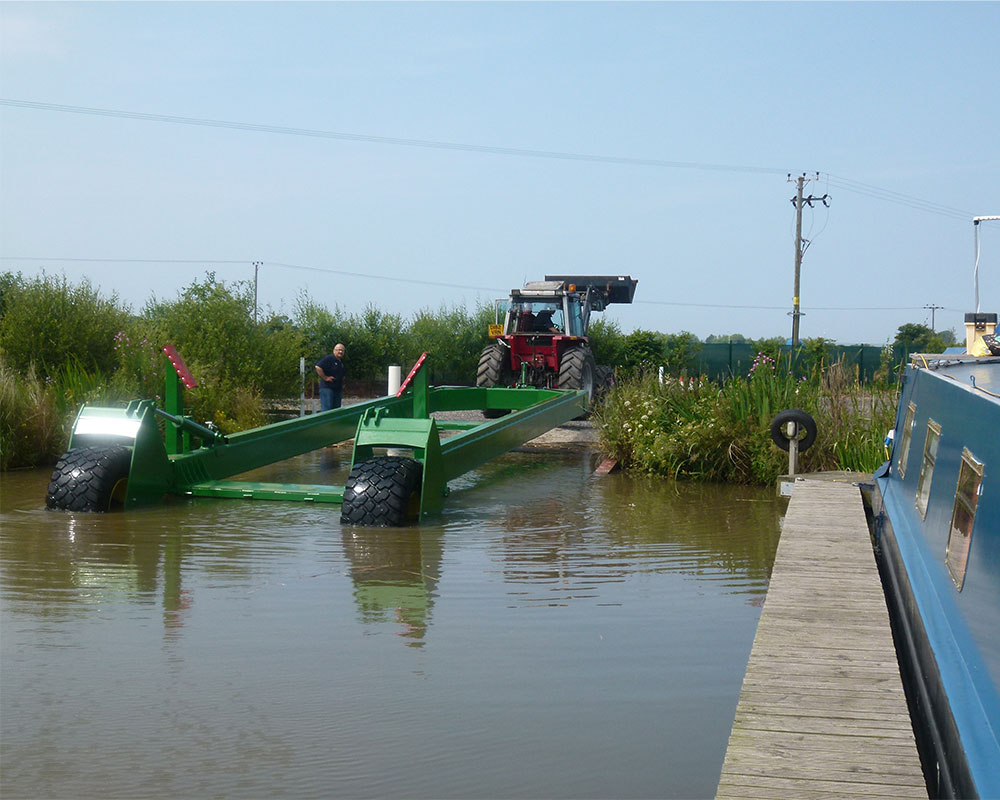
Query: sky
<point x="420" y="155"/>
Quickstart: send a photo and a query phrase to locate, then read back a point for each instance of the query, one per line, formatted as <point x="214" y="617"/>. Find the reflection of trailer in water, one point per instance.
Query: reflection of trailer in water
<point x="118" y="458"/>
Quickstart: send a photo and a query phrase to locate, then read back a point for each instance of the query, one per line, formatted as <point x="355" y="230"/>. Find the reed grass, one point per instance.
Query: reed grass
<point x="702" y="430"/>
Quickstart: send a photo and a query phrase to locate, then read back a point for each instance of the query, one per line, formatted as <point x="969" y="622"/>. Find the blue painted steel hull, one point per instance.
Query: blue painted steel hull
<point x="947" y="618"/>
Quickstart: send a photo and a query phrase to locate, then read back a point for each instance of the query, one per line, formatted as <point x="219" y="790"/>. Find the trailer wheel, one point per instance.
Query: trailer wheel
<point x="804" y="422"/>
<point x="494" y="370"/>
<point x="383" y="491"/>
<point x="90" y="479"/>
<point x="576" y="371"/>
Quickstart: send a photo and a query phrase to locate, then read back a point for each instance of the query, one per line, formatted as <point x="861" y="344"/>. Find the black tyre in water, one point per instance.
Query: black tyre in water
<point x="90" y="479"/>
<point x="494" y="370"/>
<point x="383" y="491"/>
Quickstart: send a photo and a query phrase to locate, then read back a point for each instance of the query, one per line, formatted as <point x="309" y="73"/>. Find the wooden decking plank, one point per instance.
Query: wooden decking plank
<point x="822" y="711"/>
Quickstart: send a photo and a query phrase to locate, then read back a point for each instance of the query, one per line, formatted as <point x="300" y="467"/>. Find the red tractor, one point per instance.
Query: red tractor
<point x="543" y="339"/>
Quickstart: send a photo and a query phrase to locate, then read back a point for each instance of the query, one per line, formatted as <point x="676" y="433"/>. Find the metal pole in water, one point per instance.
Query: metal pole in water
<point x="793" y="447"/>
<point x="302" y="386"/>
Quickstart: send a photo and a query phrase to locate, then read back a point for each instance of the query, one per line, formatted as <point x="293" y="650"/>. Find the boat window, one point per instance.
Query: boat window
<point x="927" y="466"/>
<point x="970" y="483"/>
<point x="907" y="435"/>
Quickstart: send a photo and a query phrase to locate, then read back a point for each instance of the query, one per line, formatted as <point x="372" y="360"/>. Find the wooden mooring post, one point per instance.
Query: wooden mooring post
<point x="822" y="711"/>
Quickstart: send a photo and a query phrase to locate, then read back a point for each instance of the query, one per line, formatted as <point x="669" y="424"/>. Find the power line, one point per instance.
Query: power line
<point x="129" y="260"/>
<point x="848" y="184"/>
<point x="391" y="140"/>
<point x="439" y="284"/>
<point x="393" y="278"/>
<point x="890" y="196"/>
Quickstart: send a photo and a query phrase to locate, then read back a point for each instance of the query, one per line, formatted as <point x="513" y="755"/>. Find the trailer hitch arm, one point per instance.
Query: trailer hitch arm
<point x="203" y="432"/>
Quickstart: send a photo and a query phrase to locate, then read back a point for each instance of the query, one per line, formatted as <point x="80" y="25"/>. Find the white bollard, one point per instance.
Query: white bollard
<point x="395" y="378"/>
<point x="661" y="375"/>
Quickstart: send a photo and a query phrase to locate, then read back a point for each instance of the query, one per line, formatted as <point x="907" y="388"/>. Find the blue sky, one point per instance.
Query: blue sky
<point x="689" y="117"/>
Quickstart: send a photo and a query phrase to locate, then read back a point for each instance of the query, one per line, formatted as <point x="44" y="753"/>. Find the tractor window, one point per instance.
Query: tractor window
<point x="575" y="319"/>
<point x="540" y="317"/>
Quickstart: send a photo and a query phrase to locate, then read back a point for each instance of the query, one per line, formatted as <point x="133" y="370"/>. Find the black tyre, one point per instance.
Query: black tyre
<point x="383" y="491"/>
<point x="604" y="379"/>
<point x="90" y="479"/>
<point x="806" y="428"/>
<point x="494" y="370"/>
<point x="576" y="371"/>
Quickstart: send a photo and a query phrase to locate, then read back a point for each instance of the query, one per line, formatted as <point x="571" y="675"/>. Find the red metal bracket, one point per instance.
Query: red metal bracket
<point x="416" y="368"/>
<point x="180" y="367"/>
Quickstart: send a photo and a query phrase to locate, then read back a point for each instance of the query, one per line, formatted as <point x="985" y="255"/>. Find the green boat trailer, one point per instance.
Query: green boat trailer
<point x="119" y="457"/>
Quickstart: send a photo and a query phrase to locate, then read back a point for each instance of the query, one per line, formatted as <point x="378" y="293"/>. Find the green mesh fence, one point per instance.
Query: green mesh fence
<point x="721" y="360"/>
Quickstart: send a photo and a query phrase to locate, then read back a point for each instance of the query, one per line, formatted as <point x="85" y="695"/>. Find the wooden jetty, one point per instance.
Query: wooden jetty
<point x="822" y="711"/>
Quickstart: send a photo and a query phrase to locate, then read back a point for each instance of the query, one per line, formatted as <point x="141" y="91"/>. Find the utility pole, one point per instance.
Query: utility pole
<point x="798" y="259"/>
<point x="933" y="308"/>
<point x="798" y="201"/>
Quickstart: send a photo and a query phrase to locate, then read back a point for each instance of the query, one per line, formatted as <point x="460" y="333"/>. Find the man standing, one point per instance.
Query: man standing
<point x="331" y="372"/>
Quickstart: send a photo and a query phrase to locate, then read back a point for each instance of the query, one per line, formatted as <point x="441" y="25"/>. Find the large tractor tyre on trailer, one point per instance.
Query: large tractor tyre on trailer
<point x="90" y="479"/>
<point x="576" y="371"/>
<point x="383" y="491"/>
<point x="494" y="370"/>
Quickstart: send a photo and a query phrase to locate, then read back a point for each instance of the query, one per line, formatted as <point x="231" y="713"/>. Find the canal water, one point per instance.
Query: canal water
<point x="554" y="634"/>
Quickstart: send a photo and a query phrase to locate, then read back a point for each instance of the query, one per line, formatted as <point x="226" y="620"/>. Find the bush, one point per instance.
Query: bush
<point x="48" y="322"/>
<point x="213" y="323"/>
<point x="455" y="339"/>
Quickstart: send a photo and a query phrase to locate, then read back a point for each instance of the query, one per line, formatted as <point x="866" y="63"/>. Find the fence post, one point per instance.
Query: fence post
<point x="302" y="386"/>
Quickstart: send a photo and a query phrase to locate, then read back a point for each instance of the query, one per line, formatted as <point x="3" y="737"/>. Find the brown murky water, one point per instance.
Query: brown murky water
<point x="552" y="634"/>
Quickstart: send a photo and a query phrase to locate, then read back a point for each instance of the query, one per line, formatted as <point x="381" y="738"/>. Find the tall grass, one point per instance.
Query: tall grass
<point x="702" y="430"/>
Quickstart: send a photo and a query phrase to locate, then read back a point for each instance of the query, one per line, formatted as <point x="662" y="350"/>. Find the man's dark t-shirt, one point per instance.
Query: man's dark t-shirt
<point x="334" y="368"/>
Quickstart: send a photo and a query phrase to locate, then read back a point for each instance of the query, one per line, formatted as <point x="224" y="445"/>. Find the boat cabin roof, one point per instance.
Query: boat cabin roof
<point x="977" y="374"/>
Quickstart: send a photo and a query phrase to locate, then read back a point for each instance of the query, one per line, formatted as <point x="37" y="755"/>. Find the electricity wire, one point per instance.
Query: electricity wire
<point x="391" y="140"/>
<point x="848" y="184"/>
<point x="437" y="284"/>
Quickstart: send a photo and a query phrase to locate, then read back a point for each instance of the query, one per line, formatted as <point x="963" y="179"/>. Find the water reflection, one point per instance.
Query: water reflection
<point x="395" y="575"/>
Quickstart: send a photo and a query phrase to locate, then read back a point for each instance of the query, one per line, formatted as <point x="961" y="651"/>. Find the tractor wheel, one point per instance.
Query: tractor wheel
<point x="604" y="379"/>
<point x="383" y="491"/>
<point x="90" y="479"/>
<point x="494" y="370"/>
<point x="576" y="371"/>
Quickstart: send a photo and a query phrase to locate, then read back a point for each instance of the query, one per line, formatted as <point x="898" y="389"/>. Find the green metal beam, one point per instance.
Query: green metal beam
<point x="259" y="447"/>
<point x="250" y="490"/>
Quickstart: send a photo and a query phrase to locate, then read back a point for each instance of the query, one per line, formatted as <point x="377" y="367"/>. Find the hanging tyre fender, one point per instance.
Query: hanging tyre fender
<point x="779" y="433"/>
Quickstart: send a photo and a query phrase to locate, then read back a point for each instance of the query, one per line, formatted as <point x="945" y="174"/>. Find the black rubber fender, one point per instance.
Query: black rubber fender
<point x="800" y="418"/>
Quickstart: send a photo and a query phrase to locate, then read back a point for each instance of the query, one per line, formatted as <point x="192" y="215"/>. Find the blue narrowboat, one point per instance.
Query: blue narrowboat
<point x="936" y="521"/>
